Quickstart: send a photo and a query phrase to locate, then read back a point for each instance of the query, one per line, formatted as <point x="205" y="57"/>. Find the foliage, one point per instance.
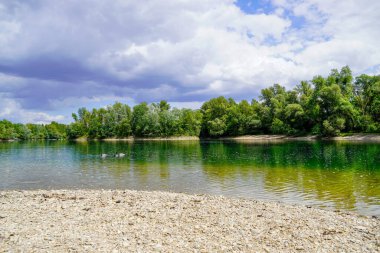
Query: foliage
<point x="54" y="130"/>
<point x="327" y="106"/>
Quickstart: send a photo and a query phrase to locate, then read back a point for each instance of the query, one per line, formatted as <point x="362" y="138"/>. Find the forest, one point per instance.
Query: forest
<point x="324" y="106"/>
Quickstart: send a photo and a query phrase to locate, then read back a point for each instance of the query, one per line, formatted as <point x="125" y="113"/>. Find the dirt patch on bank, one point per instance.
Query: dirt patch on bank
<point x="120" y="221"/>
<point x="358" y="137"/>
<point x="282" y="138"/>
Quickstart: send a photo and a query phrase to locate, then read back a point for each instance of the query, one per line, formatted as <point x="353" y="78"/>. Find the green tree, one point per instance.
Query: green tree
<point x="215" y="113"/>
<point x="55" y="131"/>
<point x="38" y="131"/>
<point x="146" y="120"/>
<point x="7" y="131"/>
<point x="333" y="110"/>
<point x="190" y="122"/>
<point x="22" y="131"/>
<point x="295" y="117"/>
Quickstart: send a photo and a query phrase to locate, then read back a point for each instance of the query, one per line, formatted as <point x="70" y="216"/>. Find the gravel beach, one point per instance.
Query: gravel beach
<point x="137" y="221"/>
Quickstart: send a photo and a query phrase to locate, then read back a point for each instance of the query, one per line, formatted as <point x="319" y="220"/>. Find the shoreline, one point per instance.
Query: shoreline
<point x="250" y="138"/>
<point x="107" y="220"/>
<point x="281" y="138"/>
<point x="244" y="138"/>
<point x="130" y="139"/>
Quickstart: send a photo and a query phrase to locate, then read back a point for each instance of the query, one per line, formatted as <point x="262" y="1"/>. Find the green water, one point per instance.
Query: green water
<point x="332" y="175"/>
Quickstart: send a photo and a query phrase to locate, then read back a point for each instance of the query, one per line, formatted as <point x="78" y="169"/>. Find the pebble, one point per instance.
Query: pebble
<point x="174" y="222"/>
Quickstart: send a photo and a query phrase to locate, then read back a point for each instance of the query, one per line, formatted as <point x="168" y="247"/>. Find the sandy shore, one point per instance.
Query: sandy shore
<point x="269" y="137"/>
<point x="170" y="138"/>
<point x="262" y="138"/>
<point x="173" y="138"/>
<point x="274" y="138"/>
<point x="135" y="221"/>
<point x="358" y="137"/>
<point x="243" y="138"/>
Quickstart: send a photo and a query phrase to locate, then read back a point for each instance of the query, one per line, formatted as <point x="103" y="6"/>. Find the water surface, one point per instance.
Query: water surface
<point x="332" y="175"/>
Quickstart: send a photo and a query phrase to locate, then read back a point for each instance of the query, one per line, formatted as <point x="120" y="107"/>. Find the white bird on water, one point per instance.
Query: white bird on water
<point x="116" y="155"/>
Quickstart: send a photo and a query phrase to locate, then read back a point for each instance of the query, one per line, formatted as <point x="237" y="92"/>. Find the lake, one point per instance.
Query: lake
<point x="331" y="175"/>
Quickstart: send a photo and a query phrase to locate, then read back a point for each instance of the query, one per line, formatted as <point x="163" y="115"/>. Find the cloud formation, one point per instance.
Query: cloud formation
<point x="60" y="55"/>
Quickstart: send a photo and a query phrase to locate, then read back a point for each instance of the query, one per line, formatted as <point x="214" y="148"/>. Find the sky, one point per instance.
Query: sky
<point x="57" y="56"/>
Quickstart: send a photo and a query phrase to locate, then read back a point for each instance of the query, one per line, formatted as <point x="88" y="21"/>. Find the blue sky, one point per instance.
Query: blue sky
<point x="266" y="7"/>
<point x="254" y="7"/>
<point x="57" y="56"/>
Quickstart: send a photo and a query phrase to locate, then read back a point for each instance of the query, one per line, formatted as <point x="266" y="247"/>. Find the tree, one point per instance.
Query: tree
<point x="7" y="131"/>
<point x="169" y="122"/>
<point x="190" y="122"/>
<point x="323" y="106"/>
<point x="295" y="117"/>
<point x="22" y="131"/>
<point x="216" y="127"/>
<point x="37" y="131"/>
<point x="56" y="131"/>
<point x="242" y="119"/>
<point x="119" y="120"/>
<point x="146" y="120"/>
<point x="164" y="106"/>
<point x="215" y="113"/>
<point x="367" y="101"/>
<point x="74" y="130"/>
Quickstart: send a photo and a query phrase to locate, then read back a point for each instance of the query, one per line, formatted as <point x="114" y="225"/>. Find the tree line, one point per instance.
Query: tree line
<point x="324" y="106"/>
<point x="54" y="130"/>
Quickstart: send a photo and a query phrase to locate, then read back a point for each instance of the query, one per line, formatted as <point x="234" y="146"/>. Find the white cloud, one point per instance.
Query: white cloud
<point x="336" y="33"/>
<point x="190" y="105"/>
<point x="97" y="101"/>
<point x="13" y="111"/>
<point x="63" y="53"/>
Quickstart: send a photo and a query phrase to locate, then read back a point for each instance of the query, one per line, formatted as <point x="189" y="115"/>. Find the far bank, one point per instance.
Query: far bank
<point x="249" y="138"/>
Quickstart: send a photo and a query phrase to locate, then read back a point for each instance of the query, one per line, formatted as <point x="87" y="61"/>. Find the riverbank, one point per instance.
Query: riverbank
<point x="358" y="137"/>
<point x="119" y="221"/>
<point x="249" y="138"/>
<point x="257" y="138"/>
<point x="270" y="137"/>
<point x="169" y="138"/>
<point x="260" y="138"/>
